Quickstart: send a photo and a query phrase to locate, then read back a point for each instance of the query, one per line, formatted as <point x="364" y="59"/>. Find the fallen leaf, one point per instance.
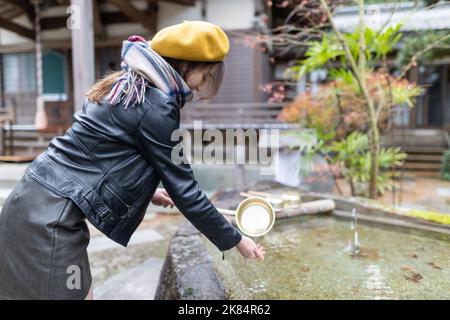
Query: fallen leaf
<point x="415" y="277"/>
<point x="415" y="256"/>
<point x="434" y="266"/>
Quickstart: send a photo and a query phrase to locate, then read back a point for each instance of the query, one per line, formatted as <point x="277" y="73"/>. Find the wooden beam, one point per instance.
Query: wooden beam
<point x="26" y="7"/>
<point x="57" y="22"/>
<point x="99" y="31"/>
<point x="48" y="23"/>
<point x="182" y="2"/>
<point x="11" y="12"/>
<point x="152" y="9"/>
<point x="18" y="29"/>
<point x="135" y="14"/>
<point x="114" y="17"/>
<point x="59" y="45"/>
<point x="63" y="2"/>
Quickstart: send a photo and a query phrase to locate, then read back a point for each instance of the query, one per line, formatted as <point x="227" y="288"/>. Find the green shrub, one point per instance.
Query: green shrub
<point x="445" y="170"/>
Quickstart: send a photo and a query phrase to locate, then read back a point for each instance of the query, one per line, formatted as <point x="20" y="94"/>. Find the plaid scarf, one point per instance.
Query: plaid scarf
<point x="144" y="67"/>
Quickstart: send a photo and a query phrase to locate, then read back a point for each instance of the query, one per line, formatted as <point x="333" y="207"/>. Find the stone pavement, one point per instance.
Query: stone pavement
<point x="121" y="273"/>
<point x="99" y="243"/>
<point x="137" y="283"/>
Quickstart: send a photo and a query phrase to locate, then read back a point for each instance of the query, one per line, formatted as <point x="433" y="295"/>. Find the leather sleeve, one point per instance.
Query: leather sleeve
<point x="154" y="141"/>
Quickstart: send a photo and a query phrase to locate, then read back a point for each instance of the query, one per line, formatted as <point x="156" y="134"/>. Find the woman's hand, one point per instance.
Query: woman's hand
<point x="250" y="250"/>
<point x="162" y="198"/>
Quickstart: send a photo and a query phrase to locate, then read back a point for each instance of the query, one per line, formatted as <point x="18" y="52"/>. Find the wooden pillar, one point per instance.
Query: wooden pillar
<point x="81" y="24"/>
<point x="41" y="120"/>
<point x="444" y="93"/>
<point x="2" y="140"/>
<point x="2" y="80"/>
<point x="413" y="77"/>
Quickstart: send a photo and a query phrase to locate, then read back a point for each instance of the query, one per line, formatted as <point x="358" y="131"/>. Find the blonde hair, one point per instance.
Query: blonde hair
<point x="215" y="71"/>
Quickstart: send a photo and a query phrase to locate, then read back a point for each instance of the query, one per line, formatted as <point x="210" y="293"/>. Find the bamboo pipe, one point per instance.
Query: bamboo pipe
<point x="311" y="207"/>
<point x="261" y="194"/>
<point x="283" y="196"/>
<point x="278" y="201"/>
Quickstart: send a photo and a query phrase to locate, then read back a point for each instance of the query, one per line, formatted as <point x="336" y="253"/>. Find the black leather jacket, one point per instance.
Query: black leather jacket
<point x="111" y="160"/>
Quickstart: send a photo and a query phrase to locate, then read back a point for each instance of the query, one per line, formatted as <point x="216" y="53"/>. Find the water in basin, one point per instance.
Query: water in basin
<point x="308" y="258"/>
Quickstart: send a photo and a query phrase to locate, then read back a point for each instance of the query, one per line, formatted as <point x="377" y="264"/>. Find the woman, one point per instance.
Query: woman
<point x="107" y="167"/>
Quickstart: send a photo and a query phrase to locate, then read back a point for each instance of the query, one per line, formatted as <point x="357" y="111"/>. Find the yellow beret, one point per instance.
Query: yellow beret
<point x="192" y="41"/>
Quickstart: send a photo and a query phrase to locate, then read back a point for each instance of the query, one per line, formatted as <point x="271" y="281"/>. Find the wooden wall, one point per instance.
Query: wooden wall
<point x="246" y="69"/>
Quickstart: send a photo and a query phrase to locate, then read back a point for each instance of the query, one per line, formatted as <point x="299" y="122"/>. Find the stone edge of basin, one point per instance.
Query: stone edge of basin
<point x="187" y="261"/>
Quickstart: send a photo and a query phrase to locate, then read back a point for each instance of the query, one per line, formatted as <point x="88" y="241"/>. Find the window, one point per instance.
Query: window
<point x="19" y="72"/>
<point x="54" y="73"/>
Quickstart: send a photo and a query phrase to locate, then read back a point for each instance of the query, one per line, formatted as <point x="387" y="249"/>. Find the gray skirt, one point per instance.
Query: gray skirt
<point x="43" y="242"/>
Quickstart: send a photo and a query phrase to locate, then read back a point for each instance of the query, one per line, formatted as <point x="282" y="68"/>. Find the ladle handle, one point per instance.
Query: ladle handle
<point x="259" y="193"/>
<point x="227" y="212"/>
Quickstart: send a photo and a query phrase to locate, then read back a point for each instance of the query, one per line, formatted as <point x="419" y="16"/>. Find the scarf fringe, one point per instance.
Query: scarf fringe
<point x="130" y="88"/>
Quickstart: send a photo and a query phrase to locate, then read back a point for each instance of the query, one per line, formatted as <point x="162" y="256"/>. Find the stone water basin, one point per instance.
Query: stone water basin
<point x="308" y="258"/>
